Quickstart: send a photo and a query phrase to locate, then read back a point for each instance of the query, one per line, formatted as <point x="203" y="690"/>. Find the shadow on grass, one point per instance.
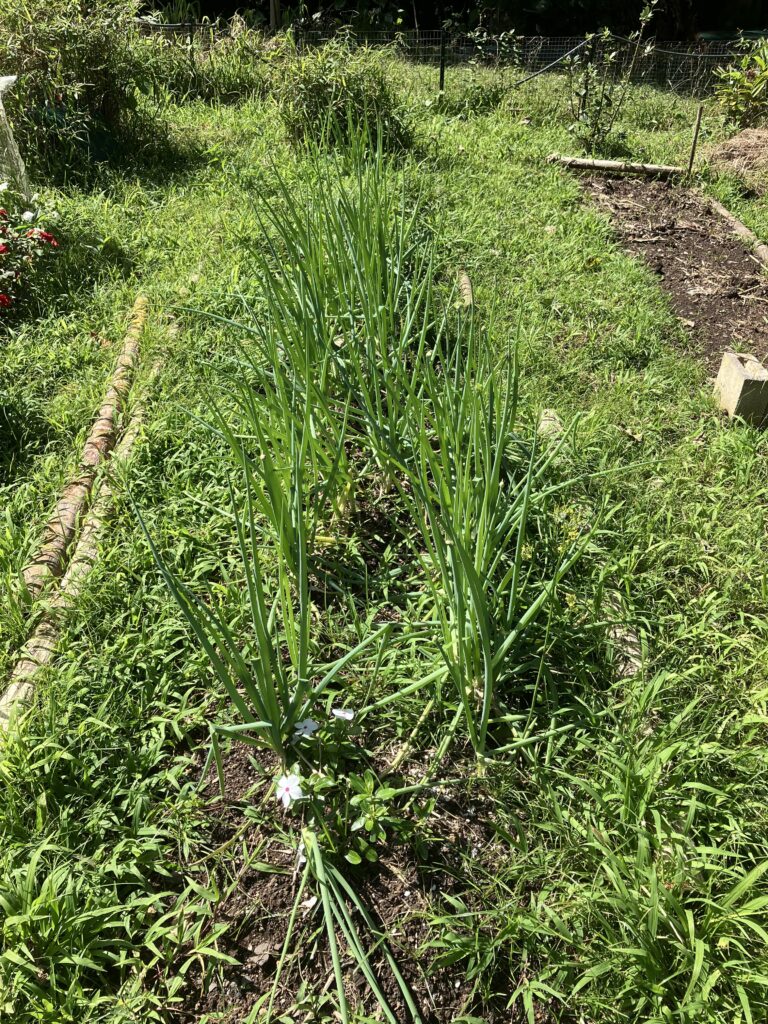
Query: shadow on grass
<point x="23" y="434"/>
<point x="145" y="148"/>
<point x="82" y="258"/>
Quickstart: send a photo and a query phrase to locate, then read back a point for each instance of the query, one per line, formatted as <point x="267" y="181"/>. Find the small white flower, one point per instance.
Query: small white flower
<point x="27" y="217"/>
<point x="305" y="729"/>
<point x="288" y="789"/>
<point x="343" y="713"/>
<point x="3" y="186"/>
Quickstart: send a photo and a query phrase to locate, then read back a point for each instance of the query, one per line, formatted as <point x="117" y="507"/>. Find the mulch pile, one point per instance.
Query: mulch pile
<point x="746" y="155"/>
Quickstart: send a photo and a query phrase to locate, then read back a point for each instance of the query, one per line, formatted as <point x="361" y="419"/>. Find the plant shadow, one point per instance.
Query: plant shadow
<point x="146" y="148"/>
<point x="23" y="434"/>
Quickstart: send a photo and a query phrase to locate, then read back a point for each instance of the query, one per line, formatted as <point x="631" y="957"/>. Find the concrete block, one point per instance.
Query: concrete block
<point x="550" y="424"/>
<point x="742" y="387"/>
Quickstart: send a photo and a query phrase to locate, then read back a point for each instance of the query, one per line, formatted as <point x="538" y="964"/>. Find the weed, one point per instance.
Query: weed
<point x="334" y="90"/>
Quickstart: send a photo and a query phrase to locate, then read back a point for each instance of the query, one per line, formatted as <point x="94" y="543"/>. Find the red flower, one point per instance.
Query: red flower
<point x="43" y="236"/>
<point x="3" y="248"/>
<point x="5" y="300"/>
<point x="4" y="214"/>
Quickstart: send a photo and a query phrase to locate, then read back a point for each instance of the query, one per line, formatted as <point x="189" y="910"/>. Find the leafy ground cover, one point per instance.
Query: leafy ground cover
<point x="346" y="570"/>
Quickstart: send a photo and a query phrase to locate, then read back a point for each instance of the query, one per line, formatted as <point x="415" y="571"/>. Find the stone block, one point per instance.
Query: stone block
<point x="742" y="387"/>
<point x="550" y="424"/>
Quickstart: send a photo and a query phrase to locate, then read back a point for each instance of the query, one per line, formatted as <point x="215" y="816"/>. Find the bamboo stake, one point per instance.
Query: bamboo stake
<point x="759" y="248"/>
<point x="695" y="140"/>
<point x="49" y="561"/>
<point x="465" y="290"/>
<point x="617" y="166"/>
<point x="40" y="647"/>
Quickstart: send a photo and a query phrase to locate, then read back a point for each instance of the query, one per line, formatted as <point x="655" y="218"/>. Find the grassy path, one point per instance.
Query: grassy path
<point x="615" y="861"/>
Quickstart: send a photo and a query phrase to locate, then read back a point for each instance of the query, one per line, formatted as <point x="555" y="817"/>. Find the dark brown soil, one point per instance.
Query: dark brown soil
<point x="714" y="283"/>
<point x="259" y="872"/>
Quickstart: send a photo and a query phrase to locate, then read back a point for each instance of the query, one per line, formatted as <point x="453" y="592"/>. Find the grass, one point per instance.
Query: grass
<point x="342" y="479"/>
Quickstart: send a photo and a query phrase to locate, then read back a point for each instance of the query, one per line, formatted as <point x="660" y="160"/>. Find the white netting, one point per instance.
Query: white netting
<point x="12" y="167"/>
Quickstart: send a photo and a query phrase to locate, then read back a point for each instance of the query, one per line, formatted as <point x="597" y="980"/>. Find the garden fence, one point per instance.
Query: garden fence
<point x="682" y="67"/>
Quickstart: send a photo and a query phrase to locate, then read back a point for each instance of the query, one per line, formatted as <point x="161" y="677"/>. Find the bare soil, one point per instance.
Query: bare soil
<point x="715" y="284"/>
<point x="261" y="874"/>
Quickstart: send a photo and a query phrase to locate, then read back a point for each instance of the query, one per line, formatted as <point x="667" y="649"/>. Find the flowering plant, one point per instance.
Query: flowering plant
<point x="24" y="243"/>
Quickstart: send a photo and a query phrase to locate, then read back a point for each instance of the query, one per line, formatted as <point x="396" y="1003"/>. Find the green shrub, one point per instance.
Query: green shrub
<point x="81" y="67"/>
<point x="335" y="90"/>
<point x="743" y="86"/>
<point x="235" y="67"/>
<point x="222" y="64"/>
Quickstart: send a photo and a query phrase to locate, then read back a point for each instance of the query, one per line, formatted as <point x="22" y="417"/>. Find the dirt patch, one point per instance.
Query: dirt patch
<point x="714" y="283"/>
<point x="258" y="873"/>
<point x="746" y="155"/>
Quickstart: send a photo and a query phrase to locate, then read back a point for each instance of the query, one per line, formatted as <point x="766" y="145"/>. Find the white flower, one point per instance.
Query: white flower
<point x="343" y="713"/>
<point x="3" y="186"/>
<point x="305" y="729"/>
<point x="288" y="789"/>
<point x="27" y="216"/>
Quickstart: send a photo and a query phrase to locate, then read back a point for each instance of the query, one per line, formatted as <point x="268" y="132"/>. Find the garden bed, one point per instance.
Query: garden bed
<point x="264" y="874"/>
<point x="714" y="283"/>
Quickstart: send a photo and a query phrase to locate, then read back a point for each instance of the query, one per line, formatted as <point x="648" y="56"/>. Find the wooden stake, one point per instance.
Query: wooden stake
<point x="695" y="141"/>
<point x="759" y="248"/>
<point x="617" y="166"/>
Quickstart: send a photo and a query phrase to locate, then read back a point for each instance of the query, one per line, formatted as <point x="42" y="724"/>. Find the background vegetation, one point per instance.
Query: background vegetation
<point x="676" y="19"/>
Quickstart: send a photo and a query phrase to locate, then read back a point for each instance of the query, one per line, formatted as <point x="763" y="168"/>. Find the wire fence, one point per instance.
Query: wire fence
<point x="682" y="67"/>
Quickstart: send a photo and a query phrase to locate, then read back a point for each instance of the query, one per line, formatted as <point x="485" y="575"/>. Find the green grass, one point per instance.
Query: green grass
<point x="377" y="447"/>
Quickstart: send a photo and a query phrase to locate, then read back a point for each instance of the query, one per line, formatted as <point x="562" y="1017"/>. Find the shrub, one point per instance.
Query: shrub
<point x="24" y="245"/>
<point x="600" y="79"/>
<point x="334" y="90"/>
<point x="222" y="67"/>
<point x="743" y="86"/>
<point x="80" y="68"/>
